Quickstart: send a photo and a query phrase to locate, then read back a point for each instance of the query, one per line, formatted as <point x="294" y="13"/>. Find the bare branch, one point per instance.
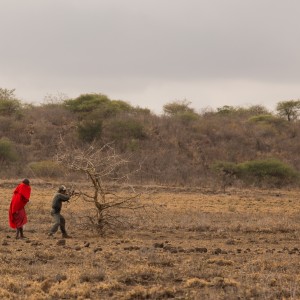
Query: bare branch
<point x="101" y="165"/>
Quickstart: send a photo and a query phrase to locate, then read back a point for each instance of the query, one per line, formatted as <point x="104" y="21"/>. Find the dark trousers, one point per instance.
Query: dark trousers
<point x="59" y="222"/>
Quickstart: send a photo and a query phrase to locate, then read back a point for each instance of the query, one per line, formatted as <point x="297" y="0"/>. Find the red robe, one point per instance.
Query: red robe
<point x="17" y="214"/>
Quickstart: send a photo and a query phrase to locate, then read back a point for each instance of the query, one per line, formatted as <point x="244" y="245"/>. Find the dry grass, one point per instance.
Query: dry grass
<point x="187" y="245"/>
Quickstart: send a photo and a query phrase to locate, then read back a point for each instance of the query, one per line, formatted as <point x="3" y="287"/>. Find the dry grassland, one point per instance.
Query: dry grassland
<point x="186" y="245"/>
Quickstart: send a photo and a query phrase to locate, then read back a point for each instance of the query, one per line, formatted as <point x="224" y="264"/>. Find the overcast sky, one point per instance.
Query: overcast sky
<point x="152" y="52"/>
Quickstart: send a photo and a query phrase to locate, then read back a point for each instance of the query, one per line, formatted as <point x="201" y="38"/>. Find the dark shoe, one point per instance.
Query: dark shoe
<point x="66" y="236"/>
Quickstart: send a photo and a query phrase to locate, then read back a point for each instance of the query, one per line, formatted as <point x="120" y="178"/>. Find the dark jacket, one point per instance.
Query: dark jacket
<point x="57" y="201"/>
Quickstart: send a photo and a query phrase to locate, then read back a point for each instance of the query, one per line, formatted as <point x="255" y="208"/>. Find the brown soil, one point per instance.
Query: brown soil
<point x="187" y="244"/>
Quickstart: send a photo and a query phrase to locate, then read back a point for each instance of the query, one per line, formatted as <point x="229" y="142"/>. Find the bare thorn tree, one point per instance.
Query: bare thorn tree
<point x="102" y="167"/>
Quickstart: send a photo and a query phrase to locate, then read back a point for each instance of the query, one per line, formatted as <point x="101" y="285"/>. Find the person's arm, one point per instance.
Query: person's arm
<point x="24" y="199"/>
<point x="64" y="198"/>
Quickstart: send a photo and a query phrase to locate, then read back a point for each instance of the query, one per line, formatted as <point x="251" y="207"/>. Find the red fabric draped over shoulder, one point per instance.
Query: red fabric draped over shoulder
<point x="19" y="199"/>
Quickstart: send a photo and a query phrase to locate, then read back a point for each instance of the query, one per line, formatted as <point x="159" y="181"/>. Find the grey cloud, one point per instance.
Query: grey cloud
<point x="102" y="43"/>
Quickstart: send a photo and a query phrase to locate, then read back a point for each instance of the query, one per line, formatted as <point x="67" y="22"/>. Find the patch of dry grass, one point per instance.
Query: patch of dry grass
<point x="187" y="245"/>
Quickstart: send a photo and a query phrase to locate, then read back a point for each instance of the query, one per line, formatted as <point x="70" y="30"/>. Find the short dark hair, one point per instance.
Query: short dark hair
<point x="26" y="181"/>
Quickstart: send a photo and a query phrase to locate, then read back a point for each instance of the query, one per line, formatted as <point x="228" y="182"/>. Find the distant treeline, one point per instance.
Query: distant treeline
<point x="228" y="146"/>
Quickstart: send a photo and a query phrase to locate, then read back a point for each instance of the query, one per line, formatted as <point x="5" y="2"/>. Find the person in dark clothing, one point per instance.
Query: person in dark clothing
<point x="59" y="221"/>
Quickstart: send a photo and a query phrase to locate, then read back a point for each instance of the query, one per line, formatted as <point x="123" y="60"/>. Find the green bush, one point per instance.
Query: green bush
<point x="126" y="129"/>
<point x="226" y="110"/>
<point x="187" y="117"/>
<point x="271" y="171"/>
<point x="177" y="107"/>
<point x="225" y="167"/>
<point x="89" y="130"/>
<point x="260" y="172"/>
<point x="9" y="105"/>
<point x="86" y="102"/>
<point x="267" y="119"/>
<point x="119" y="106"/>
<point x="97" y="104"/>
<point x="46" y="168"/>
<point x="7" y="151"/>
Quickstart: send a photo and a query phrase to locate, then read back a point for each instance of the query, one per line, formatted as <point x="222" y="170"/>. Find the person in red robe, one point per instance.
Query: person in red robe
<point x="17" y="213"/>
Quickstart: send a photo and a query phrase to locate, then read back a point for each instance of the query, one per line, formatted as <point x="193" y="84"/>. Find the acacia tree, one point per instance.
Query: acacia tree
<point x="289" y="109"/>
<point x="177" y="107"/>
<point x="102" y="166"/>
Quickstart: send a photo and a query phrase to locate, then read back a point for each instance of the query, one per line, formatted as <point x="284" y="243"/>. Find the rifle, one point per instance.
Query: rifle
<point x="71" y="192"/>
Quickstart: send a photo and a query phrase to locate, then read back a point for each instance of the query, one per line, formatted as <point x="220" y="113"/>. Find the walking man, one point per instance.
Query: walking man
<point x="59" y="221"/>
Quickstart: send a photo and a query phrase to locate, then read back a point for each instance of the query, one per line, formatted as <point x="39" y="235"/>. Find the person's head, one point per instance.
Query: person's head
<point x="26" y="181"/>
<point x="62" y="189"/>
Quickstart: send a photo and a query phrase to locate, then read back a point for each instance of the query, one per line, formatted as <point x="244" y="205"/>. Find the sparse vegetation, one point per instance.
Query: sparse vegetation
<point x="191" y="245"/>
<point x="210" y="233"/>
<point x="176" y="148"/>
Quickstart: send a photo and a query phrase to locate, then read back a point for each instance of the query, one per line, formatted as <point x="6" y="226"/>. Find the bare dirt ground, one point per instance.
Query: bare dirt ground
<point x="188" y="245"/>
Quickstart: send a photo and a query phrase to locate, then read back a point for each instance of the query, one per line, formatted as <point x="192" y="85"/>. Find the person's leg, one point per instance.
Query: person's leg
<point x="21" y="232"/>
<point x="18" y="233"/>
<point x="63" y="227"/>
<point x="56" y="221"/>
